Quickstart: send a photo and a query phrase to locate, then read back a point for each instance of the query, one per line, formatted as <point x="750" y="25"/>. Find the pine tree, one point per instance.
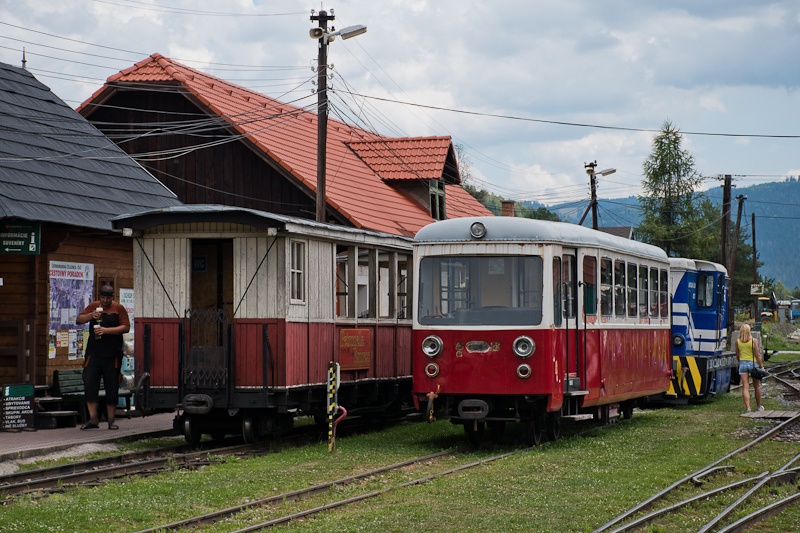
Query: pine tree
<point x="670" y="219"/>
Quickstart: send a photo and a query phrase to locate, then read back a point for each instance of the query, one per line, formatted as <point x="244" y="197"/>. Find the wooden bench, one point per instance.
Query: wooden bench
<point x="68" y="385"/>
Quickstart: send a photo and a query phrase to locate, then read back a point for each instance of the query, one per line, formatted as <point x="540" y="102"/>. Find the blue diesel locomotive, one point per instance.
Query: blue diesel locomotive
<point x="702" y="366"/>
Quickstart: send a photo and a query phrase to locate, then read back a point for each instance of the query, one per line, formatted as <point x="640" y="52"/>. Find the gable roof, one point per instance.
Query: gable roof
<point x="288" y="135"/>
<point x="405" y="159"/>
<point x="56" y="167"/>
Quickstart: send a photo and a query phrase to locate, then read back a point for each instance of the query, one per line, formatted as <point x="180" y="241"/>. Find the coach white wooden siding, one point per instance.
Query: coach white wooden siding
<point x="266" y="297"/>
<point x="171" y="265"/>
<point x="320" y="287"/>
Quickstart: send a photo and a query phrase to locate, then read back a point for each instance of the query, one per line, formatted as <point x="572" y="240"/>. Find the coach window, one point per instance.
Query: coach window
<point x="705" y="290"/>
<point x="663" y="294"/>
<point x="345" y="280"/>
<point x="298" y="270"/>
<point x="643" y="291"/>
<point x="619" y="288"/>
<point x="589" y="285"/>
<point x="632" y="310"/>
<point x="654" y="292"/>
<point x="403" y="286"/>
<point x="606" y="281"/>
<point x="557" y="291"/>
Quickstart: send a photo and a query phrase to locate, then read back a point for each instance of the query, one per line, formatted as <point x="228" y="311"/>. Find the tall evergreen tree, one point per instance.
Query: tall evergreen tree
<point x="670" y="219"/>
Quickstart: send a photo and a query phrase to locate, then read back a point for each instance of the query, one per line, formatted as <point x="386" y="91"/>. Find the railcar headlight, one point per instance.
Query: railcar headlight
<point x="431" y="370"/>
<point x="524" y="371"/>
<point x="432" y="346"/>
<point x="678" y="340"/>
<point x="477" y="230"/>
<point x="524" y="346"/>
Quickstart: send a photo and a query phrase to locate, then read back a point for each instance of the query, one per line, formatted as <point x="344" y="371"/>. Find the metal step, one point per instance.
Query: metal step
<point x="576" y="393"/>
<point x="578" y="417"/>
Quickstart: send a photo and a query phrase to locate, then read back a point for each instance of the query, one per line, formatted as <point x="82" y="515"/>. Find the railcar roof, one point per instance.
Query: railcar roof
<point x="198" y="213"/>
<point x="530" y="230"/>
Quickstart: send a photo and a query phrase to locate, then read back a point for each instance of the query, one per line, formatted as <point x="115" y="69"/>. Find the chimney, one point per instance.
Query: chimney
<point x="508" y="208"/>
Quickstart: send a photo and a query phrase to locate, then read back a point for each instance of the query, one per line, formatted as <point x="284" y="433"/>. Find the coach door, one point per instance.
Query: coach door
<point x="569" y="293"/>
<point x="207" y="322"/>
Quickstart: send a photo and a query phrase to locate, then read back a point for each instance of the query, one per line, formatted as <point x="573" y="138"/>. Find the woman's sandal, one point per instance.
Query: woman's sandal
<point x="112" y="425"/>
<point x="90" y="425"/>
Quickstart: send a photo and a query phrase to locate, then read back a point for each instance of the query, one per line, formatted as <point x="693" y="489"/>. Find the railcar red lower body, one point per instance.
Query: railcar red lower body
<point x="478" y="376"/>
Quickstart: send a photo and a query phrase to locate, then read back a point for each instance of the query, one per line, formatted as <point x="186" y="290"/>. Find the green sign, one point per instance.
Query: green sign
<point x="16" y="407"/>
<point x="20" y="238"/>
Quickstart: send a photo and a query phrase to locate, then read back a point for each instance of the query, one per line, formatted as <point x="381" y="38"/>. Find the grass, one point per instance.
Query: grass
<point x="575" y="484"/>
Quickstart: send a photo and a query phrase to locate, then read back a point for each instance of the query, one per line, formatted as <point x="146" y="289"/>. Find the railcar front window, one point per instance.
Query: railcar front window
<point x="705" y="290"/>
<point x="491" y="290"/>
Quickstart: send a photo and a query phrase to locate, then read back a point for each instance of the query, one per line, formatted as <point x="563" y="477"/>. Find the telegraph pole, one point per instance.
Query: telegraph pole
<point x="726" y="222"/>
<point x="322" y="110"/>
<point x="755" y="268"/>
<point x="593" y="184"/>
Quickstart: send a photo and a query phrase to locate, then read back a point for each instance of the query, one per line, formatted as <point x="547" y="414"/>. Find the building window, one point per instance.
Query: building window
<point x="437" y="200"/>
<point x="298" y="268"/>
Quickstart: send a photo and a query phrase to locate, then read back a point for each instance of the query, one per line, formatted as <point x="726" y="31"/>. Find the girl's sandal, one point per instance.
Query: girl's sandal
<point x="90" y="425"/>
<point x="112" y="425"/>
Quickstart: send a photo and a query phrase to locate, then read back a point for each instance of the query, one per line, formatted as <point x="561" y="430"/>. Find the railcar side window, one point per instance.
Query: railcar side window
<point x="654" y="292"/>
<point x="643" y="291"/>
<point x="606" y="280"/>
<point x="589" y="285"/>
<point x="557" y="315"/>
<point x="298" y="268"/>
<point x="568" y="274"/>
<point x="491" y="290"/>
<point x="619" y="288"/>
<point x="632" y="311"/>
<point x="705" y="290"/>
<point x="663" y="294"/>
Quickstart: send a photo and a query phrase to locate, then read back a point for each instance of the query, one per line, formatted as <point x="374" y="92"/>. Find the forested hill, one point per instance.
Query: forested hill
<point x="777" y="209"/>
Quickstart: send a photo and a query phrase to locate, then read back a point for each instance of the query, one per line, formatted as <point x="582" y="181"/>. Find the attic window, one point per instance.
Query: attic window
<point x="437" y="200"/>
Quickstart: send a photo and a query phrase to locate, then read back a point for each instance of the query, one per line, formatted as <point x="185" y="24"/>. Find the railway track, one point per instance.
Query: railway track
<point x="760" y="487"/>
<point x="309" y="492"/>
<point x="94" y="471"/>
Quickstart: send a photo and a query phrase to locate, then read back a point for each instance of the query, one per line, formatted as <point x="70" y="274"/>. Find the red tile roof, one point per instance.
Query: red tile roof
<point x="404" y="159"/>
<point x="288" y="135"/>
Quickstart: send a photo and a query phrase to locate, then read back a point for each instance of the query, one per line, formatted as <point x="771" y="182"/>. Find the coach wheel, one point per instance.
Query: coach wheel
<point x="553" y="427"/>
<point x="191" y="431"/>
<point x="249" y="429"/>
<point x="497" y="428"/>
<point x="533" y="430"/>
<point x="474" y="431"/>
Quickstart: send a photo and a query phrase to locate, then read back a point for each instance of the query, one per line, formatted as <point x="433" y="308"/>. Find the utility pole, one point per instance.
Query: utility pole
<point x="726" y="222"/>
<point x="741" y="198"/>
<point x="755" y="269"/>
<point x="593" y="187"/>
<point x="322" y="109"/>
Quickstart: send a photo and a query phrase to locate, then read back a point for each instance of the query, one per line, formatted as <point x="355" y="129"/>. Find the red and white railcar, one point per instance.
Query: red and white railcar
<point x="531" y="321"/>
<point x="239" y="312"/>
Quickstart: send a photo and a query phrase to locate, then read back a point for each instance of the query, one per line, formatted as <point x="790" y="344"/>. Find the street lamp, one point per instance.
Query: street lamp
<point x="322" y="34"/>
<point x="593" y="184"/>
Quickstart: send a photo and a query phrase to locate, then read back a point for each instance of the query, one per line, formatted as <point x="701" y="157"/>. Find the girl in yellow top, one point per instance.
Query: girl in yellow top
<point x="748" y="354"/>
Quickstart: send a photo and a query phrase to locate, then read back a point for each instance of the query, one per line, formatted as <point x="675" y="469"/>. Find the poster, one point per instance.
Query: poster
<point x="71" y="290"/>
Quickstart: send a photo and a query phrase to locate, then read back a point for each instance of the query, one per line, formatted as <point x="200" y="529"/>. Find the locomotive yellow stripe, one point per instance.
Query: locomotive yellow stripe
<point x="694" y="379"/>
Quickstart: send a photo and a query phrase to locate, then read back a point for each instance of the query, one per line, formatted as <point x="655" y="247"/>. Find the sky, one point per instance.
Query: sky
<point x="531" y="91"/>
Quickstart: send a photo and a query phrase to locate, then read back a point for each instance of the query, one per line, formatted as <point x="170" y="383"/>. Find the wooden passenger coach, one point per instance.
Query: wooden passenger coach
<point x="238" y="313"/>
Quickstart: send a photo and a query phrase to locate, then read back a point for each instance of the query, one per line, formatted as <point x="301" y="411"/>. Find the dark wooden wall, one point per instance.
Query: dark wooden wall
<point x="228" y="173"/>
<point x="25" y="293"/>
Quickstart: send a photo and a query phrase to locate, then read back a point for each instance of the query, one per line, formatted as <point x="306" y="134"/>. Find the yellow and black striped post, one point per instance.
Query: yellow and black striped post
<point x="332" y="402"/>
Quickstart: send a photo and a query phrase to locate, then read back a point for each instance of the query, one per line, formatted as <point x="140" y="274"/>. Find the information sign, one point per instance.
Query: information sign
<point x="355" y="349"/>
<point x="16" y="408"/>
<point x="20" y="238"/>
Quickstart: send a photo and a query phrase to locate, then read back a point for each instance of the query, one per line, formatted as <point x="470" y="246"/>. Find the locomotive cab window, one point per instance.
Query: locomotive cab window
<point x="705" y="290"/>
<point x="495" y="290"/>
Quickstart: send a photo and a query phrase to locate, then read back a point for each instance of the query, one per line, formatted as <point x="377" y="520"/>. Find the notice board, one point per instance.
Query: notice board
<point x="16" y="407"/>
